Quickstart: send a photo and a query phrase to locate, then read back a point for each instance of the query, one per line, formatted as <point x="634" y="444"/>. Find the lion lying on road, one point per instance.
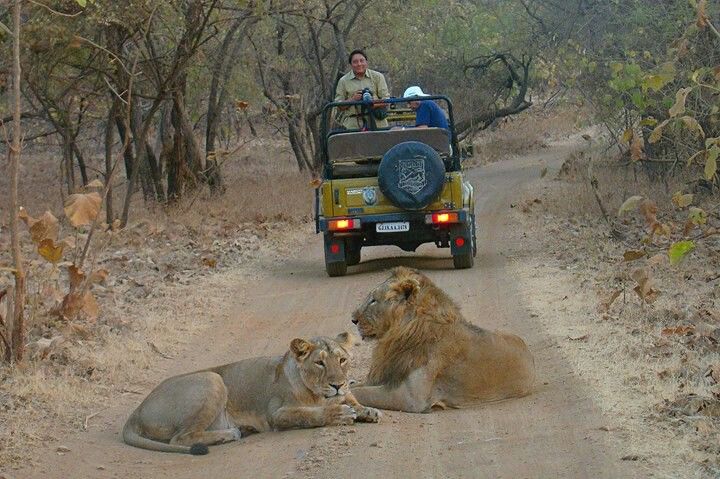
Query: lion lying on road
<point x="307" y="387"/>
<point x="428" y="355"/>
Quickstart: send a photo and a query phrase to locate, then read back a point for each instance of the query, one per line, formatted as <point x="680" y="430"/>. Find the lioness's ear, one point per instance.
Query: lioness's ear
<point x="301" y="348"/>
<point x="345" y="340"/>
<point x="406" y="287"/>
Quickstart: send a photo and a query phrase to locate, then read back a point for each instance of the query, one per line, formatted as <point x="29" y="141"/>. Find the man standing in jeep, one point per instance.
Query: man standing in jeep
<point x="351" y="86"/>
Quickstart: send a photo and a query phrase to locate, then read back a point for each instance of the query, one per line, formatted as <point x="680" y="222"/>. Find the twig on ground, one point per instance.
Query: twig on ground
<point x="87" y="418"/>
<point x="156" y="350"/>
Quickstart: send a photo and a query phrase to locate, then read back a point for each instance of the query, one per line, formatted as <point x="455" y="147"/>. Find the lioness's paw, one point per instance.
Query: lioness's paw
<point x="339" y="415"/>
<point x="237" y="434"/>
<point x="369" y="414"/>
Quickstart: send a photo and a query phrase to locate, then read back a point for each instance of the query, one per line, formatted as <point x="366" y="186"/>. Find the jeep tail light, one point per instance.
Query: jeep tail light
<point x="344" y="224"/>
<point x="334" y="248"/>
<point x="459" y="241"/>
<point x="441" y="218"/>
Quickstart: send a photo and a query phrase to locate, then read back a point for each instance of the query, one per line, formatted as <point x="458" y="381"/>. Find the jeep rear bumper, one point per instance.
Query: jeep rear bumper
<point x="420" y="231"/>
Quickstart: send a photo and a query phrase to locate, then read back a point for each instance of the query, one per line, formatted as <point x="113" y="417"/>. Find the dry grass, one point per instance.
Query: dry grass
<point x="650" y="364"/>
<point x="172" y="251"/>
<point x="531" y="130"/>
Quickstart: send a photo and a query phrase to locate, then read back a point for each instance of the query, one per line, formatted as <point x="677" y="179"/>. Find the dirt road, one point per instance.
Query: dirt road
<point x="555" y="432"/>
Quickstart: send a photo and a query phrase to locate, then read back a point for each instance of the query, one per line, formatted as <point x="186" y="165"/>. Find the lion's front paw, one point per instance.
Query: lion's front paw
<point x="368" y="414"/>
<point x="339" y="415"/>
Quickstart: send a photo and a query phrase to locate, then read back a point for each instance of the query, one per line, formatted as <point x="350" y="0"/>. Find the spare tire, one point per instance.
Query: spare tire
<point x="411" y="175"/>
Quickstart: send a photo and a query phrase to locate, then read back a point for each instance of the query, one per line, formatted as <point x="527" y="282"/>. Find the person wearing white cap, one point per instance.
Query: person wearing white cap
<point x="427" y="112"/>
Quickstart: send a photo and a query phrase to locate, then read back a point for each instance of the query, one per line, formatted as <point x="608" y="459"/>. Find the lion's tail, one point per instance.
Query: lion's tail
<point x="133" y="438"/>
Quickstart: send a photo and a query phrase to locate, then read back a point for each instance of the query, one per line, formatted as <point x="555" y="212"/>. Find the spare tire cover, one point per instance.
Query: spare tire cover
<point x="411" y="175"/>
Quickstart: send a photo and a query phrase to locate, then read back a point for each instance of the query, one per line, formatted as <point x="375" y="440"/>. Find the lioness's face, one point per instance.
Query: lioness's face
<point x="323" y="364"/>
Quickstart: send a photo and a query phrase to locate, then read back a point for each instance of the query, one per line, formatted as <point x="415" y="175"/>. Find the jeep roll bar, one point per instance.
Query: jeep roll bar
<point x="387" y="101"/>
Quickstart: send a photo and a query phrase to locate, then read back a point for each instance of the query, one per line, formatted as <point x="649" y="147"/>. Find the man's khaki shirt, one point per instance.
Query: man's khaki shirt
<point x="346" y="88"/>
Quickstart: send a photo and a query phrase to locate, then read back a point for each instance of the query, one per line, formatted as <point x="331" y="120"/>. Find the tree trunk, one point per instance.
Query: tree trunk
<point x="81" y="162"/>
<point x="68" y="163"/>
<point x="128" y="153"/>
<point x="18" y="323"/>
<point x="109" y="141"/>
<point x="224" y="65"/>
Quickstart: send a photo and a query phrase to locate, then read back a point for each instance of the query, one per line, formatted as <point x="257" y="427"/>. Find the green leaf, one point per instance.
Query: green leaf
<point x="679" y="250"/>
<point x="82" y="3"/>
<point x="711" y="162"/>
<point x="649" y="121"/>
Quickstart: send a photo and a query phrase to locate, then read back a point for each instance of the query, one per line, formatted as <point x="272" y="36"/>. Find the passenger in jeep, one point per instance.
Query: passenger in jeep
<point x="427" y="113"/>
<point x="351" y="86"/>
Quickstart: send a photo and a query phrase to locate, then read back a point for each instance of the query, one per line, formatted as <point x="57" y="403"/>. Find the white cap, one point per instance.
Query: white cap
<point x="413" y="91"/>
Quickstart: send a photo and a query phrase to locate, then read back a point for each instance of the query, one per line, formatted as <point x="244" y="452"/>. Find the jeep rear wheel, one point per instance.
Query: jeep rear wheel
<point x="338" y="268"/>
<point x="466" y="259"/>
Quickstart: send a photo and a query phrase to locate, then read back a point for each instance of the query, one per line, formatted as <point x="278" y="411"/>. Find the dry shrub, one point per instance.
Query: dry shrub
<point x="529" y="130"/>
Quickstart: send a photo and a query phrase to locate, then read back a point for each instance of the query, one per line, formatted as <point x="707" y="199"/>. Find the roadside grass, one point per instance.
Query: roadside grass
<point x="165" y="252"/>
<point x="530" y="130"/>
<point x="654" y="364"/>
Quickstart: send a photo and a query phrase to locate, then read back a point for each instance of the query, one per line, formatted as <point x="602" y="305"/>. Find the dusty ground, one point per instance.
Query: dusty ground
<point x="541" y="272"/>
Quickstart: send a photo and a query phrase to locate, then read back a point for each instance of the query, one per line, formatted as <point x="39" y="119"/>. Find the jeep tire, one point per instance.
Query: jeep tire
<point x="337" y="268"/>
<point x="467" y="259"/>
<point x="411" y="175"/>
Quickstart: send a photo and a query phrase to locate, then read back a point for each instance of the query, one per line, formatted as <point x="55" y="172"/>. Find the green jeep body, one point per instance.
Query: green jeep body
<point x="351" y="210"/>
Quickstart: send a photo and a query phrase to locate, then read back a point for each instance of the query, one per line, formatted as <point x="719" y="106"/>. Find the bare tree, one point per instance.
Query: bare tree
<point x="511" y="93"/>
<point x="15" y="347"/>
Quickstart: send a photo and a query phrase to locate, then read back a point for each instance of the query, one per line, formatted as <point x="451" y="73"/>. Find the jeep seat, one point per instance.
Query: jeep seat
<point x="374" y="144"/>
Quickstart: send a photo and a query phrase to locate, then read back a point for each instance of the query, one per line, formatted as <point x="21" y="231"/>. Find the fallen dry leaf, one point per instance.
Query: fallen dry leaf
<point x="633" y="255"/>
<point x="584" y="337"/>
<point x="713" y="372"/>
<point x="604" y="306"/>
<point x="644" y="287"/>
<point x="209" y="262"/>
<point x="678" y="331"/>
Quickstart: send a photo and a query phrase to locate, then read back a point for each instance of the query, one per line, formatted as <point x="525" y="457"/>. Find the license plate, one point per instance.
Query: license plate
<point x="392" y="227"/>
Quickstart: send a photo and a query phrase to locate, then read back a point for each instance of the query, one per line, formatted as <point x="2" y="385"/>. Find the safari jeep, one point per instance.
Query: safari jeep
<point x="400" y="186"/>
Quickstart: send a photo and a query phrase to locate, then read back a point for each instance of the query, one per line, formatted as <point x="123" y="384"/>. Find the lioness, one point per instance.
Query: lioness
<point x="306" y="387"/>
<point x="428" y="355"/>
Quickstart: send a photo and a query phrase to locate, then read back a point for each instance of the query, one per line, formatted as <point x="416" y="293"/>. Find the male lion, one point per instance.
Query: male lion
<point x="428" y="355"/>
<point x="306" y="387"/>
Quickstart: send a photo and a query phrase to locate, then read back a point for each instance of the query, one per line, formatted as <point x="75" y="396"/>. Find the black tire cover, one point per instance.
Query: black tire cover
<point x="411" y="175"/>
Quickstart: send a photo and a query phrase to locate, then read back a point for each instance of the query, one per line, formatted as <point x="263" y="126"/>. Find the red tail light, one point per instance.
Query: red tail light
<point x="334" y="248"/>
<point x="344" y="224"/>
<point x="441" y="218"/>
<point x="459" y="241"/>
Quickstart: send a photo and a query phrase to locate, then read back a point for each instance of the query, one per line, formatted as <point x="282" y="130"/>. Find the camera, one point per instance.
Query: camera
<point x="366" y="95"/>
